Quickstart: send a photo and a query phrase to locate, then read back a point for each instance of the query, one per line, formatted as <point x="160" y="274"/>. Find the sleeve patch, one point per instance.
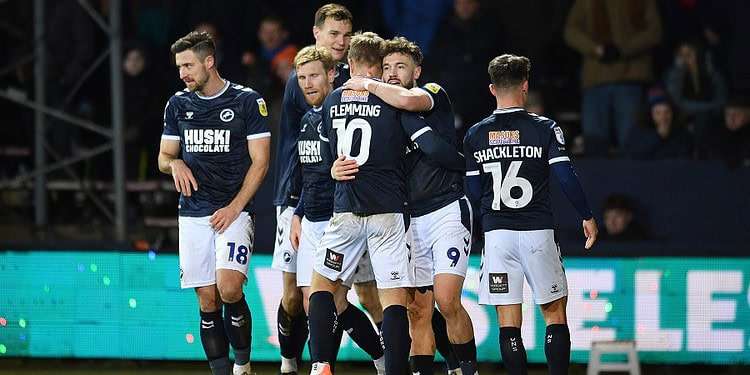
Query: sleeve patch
<point x="262" y="107"/>
<point x="432" y="87"/>
<point x="559" y="135"/>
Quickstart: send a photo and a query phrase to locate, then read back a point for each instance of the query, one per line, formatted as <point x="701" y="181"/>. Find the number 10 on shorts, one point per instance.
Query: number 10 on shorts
<point x="241" y="253"/>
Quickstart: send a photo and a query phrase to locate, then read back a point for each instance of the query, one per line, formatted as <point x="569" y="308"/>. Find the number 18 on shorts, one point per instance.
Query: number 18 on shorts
<point x="203" y="251"/>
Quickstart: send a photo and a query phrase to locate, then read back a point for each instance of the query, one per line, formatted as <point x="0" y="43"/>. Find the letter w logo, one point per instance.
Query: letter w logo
<point x="497" y="279"/>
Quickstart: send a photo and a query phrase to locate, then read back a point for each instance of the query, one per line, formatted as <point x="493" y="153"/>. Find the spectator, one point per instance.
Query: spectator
<point x="730" y="142"/>
<point x="467" y="43"/>
<point x="140" y="112"/>
<point x="696" y="86"/>
<point x="416" y="20"/>
<point x="276" y="50"/>
<point x="619" y="224"/>
<point x="661" y="137"/>
<point x="615" y="38"/>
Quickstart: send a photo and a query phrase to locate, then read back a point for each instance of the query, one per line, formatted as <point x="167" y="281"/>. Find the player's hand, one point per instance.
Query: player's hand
<point x="183" y="178"/>
<point x="590" y="230"/>
<point x="357" y="84"/>
<point x="295" y="231"/>
<point x="223" y="218"/>
<point x="343" y="169"/>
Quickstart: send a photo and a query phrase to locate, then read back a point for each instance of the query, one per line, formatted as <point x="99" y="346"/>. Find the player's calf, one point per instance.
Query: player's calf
<point x="420" y="326"/>
<point x="557" y="337"/>
<point x="460" y="330"/>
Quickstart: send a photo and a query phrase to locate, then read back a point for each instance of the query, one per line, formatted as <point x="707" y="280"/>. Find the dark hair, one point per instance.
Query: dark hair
<point x="332" y="10"/>
<point x="200" y="42"/>
<point x="274" y="19"/>
<point x="738" y="101"/>
<point x="619" y="202"/>
<point x="508" y="71"/>
<point x="400" y="44"/>
<point x="366" y="48"/>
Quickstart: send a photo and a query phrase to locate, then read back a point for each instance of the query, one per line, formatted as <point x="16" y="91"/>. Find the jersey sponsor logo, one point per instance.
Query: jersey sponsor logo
<point x="189" y="115"/>
<point x="334" y="260"/>
<point x="354" y="96"/>
<point x="432" y="87"/>
<point x="226" y="115"/>
<point x="507" y="152"/>
<point x="207" y="140"/>
<point x="309" y="152"/>
<point x="262" y="108"/>
<point x="559" y="135"/>
<point x="505" y="137"/>
<point x="498" y="283"/>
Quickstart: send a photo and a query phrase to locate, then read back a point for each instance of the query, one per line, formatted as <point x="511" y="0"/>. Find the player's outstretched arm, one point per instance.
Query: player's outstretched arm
<point x="184" y="181"/>
<point x="568" y="179"/>
<point x="259" y="150"/>
<point x="412" y="100"/>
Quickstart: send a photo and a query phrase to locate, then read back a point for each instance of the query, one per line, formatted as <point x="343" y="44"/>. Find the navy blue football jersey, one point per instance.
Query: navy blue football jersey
<point x="316" y="160"/>
<point x="288" y="178"/>
<point x="365" y="128"/>
<point x="213" y="134"/>
<point x="511" y="151"/>
<point x="430" y="186"/>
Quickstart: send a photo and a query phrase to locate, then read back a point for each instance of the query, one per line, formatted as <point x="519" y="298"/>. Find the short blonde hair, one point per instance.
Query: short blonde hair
<point x="367" y="48"/>
<point x="313" y="53"/>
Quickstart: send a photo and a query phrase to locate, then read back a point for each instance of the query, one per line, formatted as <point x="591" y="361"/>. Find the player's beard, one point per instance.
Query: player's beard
<point x="200" y="84"/>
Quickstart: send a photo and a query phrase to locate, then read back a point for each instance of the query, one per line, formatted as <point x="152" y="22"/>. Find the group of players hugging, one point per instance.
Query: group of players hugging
<point x="372" y="191"/>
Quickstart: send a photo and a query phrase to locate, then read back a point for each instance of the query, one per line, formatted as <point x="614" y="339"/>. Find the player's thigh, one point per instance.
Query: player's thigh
<point x="451" y="238"/>
<point x="386" y="243"/>
<point x="284" y="256"/>
<point x="501" y="277"/>
<point x="554" y="312"/>
<point x="542" y="264"/>
<point x="311" y="234"/>
<point x="197" y="252"/>
<point x="234" y="247"/>
<point x="418" y="243"/>
<point x="342" y="245"/>
<point x="447" y="293"/>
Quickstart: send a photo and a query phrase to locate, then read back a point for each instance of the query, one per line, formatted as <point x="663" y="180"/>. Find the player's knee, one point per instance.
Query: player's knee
<point x="554" y="312"/>
<point x="449" y="305"/>
<point x="419" y="314"/>
<point x="368" y="297"/>
<point x="230" y="293"/>
<point x="292" y="302"/>
<point x="208" y="302"/>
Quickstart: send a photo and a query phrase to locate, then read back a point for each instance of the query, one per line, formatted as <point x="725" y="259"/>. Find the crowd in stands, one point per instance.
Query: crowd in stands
<point x="640" y="79"/>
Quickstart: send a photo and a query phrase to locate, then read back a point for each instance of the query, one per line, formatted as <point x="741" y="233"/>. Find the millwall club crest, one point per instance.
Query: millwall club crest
<point x="226" y="115"/>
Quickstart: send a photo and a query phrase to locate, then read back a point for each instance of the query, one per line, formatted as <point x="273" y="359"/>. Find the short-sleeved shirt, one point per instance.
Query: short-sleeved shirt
<point x="511" y="151"/>
<point x="213" y="134"/>
<point x="316" y="160"/>
<point x="431" y="187"/>
<point x="365" y="128"/>
<point x="288" y="178"/>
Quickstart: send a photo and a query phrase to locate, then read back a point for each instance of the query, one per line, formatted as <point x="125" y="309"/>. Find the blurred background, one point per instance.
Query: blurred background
<point x="653" y="97"/>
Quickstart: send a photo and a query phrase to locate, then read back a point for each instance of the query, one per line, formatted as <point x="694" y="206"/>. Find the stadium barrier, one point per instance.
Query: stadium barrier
<point x="130" y="306"/>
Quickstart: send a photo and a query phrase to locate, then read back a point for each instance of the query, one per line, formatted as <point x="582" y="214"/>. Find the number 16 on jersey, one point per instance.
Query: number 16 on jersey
<point x="501" y="187"/>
